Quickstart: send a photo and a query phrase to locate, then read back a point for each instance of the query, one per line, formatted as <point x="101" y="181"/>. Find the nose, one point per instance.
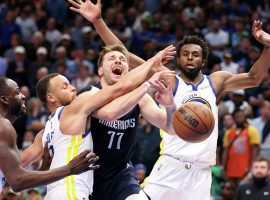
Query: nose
<point x="117" y="61"/>
<point x="22" y="96"/>
<point x="190" y="57"/>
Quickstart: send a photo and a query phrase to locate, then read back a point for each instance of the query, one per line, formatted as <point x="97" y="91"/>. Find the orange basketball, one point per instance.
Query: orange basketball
<point x="193" y="122"/>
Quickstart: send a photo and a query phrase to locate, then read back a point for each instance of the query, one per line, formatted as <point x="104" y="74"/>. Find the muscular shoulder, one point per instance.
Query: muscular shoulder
<point x="7" y="132"/>
<point x="218" y="79"/>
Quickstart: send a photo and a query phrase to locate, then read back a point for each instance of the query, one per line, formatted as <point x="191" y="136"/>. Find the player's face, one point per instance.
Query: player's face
<point x="61" y="91"/>
<point x="260" y="169"/>
<point x="190" y="60"/>
<point x="16" y="99"/>
<point x="114" y="66"/>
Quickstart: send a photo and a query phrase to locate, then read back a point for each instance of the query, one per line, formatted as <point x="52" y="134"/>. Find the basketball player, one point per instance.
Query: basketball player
<point x="12" y="104"/>
<point x="114" y="138"/>
<point x="183" y="171"/>
<point x="71" y="117"/>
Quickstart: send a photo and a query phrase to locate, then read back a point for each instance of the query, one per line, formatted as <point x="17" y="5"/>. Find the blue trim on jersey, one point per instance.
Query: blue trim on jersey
<point x="86" y="133"/>
<point x="176" y="86"/>
<point x="211" y="84"/>
<point x="60" y="112"/>
<point x="195" y="86"/>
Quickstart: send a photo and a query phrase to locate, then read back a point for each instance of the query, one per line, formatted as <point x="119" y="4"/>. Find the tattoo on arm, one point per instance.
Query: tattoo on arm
<point x="170" y="113"/>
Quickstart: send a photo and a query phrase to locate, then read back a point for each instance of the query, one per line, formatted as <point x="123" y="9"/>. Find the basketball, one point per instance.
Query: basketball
<point x="193" y="122"/>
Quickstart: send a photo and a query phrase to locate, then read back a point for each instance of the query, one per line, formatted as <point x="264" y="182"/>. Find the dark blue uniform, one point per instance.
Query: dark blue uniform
<point x="113" y="143"/>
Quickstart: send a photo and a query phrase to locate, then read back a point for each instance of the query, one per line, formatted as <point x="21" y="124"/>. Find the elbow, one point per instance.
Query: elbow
<point x="17" y="186"/>
<point x="110" y="116"/>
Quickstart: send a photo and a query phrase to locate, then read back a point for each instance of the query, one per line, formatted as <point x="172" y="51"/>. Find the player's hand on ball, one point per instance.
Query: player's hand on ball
<point x="83" y="162"/>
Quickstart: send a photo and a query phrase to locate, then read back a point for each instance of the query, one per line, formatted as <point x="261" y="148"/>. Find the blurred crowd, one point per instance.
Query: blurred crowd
<point x="44" y="36"/>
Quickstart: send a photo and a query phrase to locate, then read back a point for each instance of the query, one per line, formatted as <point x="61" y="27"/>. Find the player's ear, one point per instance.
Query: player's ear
<point x="4" y="100"/>
<point x="100" y="71"/>
<point x="203" y="64"/>
<point x="50" y="98"/>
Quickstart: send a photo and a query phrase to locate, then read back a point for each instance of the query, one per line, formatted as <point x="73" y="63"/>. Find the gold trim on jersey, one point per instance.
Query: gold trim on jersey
<point x="72" y="151"/>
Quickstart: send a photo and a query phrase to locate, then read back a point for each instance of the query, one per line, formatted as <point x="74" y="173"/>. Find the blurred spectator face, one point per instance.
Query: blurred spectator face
<point x="132" y="14"/>
<point x="83" y="71"/>
<point x="216" y="25"/>
<point x="43" y="71"/>
<point x="260" y="169"/>
<point x="165" y="27"/>
<point x="254" y="53"/>
<point x="78" y="21"/>
<point x="91" y="54"/>
<point x="240" y="119"/>
<point x="25" y="91"/>
<point x="228" y="190"/>
<point x="37" y="38"/>
<point x="10" y="16"/>
<point x="60" y="53"/>
<point x="245" y="43"/>
<point x="51" y="24"/>
<point x="265" y="109"/>
<point x="238" y="99"/>
<point x="228" y="121"/>
<point x="15" y="40"/>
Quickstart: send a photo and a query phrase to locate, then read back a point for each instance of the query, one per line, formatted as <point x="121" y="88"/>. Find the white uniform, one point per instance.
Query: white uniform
<point x="65" y="148"/>
<point x="3" y="180"/>
<point x="183" y="172"/>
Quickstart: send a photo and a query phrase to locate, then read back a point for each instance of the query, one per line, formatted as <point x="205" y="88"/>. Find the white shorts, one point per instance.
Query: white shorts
<point x="172" y="179"/>
<point x="60" y="193"/>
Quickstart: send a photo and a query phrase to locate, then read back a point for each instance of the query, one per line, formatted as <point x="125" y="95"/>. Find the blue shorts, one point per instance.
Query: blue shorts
<point x="119" y="187"/>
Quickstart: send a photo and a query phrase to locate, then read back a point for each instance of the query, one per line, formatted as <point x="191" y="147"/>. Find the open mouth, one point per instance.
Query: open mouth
<point x="117" y="71"/>
<point x="189" y="66"/>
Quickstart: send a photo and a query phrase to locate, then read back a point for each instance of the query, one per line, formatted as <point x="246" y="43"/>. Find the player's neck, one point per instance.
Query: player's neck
<point x="8" y="116"/>
<point x="195" y="81"/>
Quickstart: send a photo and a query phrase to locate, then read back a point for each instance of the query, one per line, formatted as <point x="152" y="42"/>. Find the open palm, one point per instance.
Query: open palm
<point x="260" y="35"/>
<point x="87" y="9"/>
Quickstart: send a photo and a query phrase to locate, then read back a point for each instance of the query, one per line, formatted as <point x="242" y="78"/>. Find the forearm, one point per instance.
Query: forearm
<point x="170" y="110"/>
<point x="122" y="105"/>
<point x="105" y="33"/>
<point x="28" y="157"/>
<point x="224" y="158"/>
<point x="260" y="67"/>
<point x="23" y="179"/>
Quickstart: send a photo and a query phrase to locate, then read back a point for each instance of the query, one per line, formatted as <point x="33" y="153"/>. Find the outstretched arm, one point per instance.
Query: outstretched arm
<point x="33" y="152"/>
<point x="74" y="116"/>
<point x="19" y="178"/>
<point x="124" y="104"/>
<point x="160" y="117"/>
<point x="224" y="81"/>
<point x="92" y="12"/>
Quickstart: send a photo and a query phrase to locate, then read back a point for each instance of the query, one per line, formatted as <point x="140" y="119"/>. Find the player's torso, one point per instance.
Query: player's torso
<point x="202" y="152"/>
<point x="113" y="142"/>
<point x="65" y="148"/>
<point x="3" y="180"/>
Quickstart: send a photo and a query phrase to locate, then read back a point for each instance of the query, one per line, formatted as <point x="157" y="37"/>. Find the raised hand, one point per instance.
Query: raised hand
<point x="162" y="87"/>
<point x="163" y="56"/>
<point x="260" y="35"/>
<point x="83" y="162"/>
<point x="90" y="11"/>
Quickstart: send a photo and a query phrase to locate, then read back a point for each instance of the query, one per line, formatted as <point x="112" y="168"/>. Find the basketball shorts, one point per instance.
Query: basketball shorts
<point x="61" y="193"/>
<point x="119" y="187"/>
<point x="177" y="180"/>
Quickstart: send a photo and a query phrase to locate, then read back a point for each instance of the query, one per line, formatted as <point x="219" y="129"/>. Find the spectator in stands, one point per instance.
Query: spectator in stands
<point x="241" y="146"/>
<point x="228" y="65"/>
<point x="259" y="186"/>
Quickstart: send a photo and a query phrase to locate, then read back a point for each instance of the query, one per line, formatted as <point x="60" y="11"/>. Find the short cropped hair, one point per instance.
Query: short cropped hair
<point x="43" y="86"/>
<point x="3" y="86"/>
<point x="194" y="39"/>
<point x="107" y="49"/>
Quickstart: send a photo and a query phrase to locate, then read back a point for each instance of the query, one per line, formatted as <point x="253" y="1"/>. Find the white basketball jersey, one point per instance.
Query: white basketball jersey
<point x="203" y="152"/>
<point x="65" y="148"/>
<point x="3" y="180"/>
